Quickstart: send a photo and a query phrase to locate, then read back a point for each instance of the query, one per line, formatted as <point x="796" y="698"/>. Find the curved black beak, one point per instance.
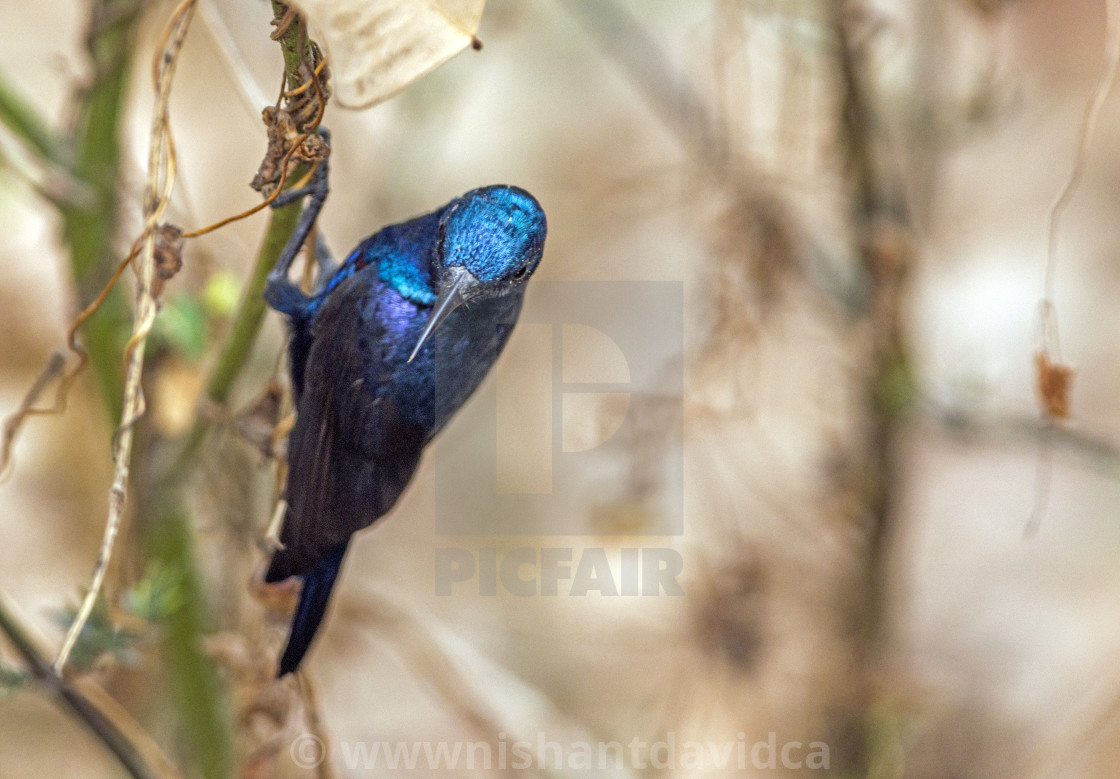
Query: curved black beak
<point x="461" y="288"/>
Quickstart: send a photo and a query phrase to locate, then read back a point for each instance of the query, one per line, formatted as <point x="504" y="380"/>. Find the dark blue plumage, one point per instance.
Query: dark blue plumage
<point x="382" y="356"/>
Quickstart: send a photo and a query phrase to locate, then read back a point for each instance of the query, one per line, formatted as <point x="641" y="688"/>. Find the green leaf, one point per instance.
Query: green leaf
<point x="12" y="681"/>
<point x="159" y="594"/>
<point x="182" y="326"/>
<point x="897" y="391"/>
<point x="100" y="636"/>
<point x="221" y="294"/>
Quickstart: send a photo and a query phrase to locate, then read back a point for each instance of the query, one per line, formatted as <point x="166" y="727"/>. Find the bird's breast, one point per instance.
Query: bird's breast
<point x="384" y="327"/>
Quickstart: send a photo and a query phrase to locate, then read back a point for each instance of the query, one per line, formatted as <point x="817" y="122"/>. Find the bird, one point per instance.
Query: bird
<point x="393" y="343"/>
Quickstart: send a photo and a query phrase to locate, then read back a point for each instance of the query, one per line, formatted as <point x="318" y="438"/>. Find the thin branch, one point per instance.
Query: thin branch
<point x="53" y="182"/>
<point x="13" y="423"/>
<point x="879" y="224"/>
<point x="675" y="99"/>
<point x="310" y="699"/>
<point x="1097" y="452"/>
<point x="93" y="716"/>
<point x="15" y="420"/>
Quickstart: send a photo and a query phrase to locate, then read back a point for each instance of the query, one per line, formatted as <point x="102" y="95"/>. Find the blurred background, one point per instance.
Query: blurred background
<point x="851" y="200"/>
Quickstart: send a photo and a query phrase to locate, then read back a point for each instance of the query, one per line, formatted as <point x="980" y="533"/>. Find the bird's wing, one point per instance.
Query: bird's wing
<point x="351" y="453"/>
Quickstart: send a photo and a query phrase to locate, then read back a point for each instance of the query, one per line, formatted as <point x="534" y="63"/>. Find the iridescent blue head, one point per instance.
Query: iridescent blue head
<point x="490" y="242"/>
<point x="496" y="233"/>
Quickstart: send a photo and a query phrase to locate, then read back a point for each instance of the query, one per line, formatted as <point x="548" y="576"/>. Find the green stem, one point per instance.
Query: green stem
<point x="252" y="309"/>
<point x="292" y="43"/>
<point x="192" y="674"/>
<point x="89" y="229"/>
<point x="247" y="322"/>
<point x="195" y="685"/>
<point x="90" y="232"/>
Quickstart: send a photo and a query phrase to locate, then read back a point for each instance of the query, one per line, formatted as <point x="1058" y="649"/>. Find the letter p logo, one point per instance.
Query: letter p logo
<point x="550" y="436"/>
<point x="560" y="390"/>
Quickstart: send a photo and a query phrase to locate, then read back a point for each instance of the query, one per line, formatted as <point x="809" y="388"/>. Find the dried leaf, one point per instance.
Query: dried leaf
<point x="283" y="133"/>
<point x="167" y="254"/>
<point x="257" y="423"/>
<point x="1054" y="382"/>
<point x="378" y="47"/>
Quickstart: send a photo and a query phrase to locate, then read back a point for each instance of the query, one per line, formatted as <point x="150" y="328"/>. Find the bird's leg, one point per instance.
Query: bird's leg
<point x="326" y="262"/>
<point x="280" y="292"/>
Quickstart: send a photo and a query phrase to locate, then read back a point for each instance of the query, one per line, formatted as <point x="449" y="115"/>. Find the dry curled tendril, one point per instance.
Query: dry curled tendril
<point x="292" y="141"/>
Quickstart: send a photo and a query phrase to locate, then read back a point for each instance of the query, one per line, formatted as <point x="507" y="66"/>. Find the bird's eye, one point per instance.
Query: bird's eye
<point x="521" y="273"/>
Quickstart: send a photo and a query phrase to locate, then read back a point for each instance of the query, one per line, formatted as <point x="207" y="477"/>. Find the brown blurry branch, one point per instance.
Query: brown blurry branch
<point x="14" y="422"/>
<point x="880" y="225"/>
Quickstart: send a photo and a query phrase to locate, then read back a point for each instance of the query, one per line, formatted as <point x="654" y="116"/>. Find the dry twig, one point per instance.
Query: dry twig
<point x="1047" y="312"/>
<point x="105" y="718"/>
<point x="161" y="179"/>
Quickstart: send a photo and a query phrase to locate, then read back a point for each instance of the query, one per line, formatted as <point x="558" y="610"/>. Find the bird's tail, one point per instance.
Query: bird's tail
<point x="313" y="598"/>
